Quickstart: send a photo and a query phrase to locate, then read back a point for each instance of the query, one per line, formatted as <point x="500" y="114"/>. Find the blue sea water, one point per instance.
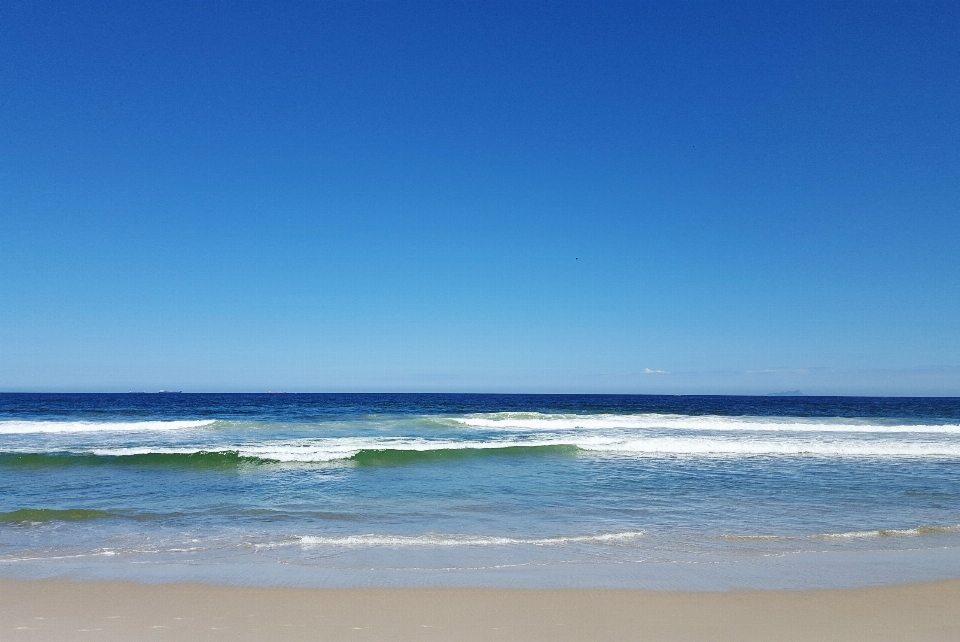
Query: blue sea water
<point x="686" y="492"/>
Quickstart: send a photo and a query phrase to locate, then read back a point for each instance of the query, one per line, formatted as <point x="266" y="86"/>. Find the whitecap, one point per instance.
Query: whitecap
<point x="431" y="540"/>
<point x="533" y="421"/>
<point x="18" y="427"/>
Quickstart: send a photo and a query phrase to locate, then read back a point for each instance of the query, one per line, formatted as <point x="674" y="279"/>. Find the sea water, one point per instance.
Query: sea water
<point x="687" y="492"/>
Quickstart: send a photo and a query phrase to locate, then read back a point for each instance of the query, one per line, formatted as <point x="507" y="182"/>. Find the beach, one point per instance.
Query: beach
<point x="65" y="611"/>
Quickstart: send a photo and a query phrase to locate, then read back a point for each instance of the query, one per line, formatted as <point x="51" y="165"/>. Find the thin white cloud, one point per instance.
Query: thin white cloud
<point x="649" y="371"/>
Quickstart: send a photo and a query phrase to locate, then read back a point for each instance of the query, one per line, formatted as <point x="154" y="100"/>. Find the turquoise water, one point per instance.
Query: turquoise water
<point x="498" y="490"/>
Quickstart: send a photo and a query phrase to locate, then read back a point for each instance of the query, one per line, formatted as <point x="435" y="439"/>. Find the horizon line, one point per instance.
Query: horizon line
<point x="785" y="394"/>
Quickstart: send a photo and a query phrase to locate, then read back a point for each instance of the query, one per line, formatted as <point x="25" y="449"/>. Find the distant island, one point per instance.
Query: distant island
<point x="786" y="393"/>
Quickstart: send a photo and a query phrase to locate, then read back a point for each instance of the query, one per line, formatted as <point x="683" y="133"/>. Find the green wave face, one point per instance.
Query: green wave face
<point x="50" y="515"/>
<point x="203" y="460"/>
<point x="392" y="457"/>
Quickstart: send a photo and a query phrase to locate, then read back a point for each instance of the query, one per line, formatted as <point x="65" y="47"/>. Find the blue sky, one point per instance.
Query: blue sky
<point x="522" y="197"/>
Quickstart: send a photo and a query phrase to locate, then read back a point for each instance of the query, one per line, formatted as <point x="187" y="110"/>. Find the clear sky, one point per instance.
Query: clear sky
<point x="457" y="196"/>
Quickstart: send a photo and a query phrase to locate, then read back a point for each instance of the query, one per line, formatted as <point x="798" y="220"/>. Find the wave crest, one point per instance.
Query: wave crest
<point x="444" y="540"/>
<point x="39" y="515"/>
<point x="535" y="421"/>
<point x="892" y="532"/>
<point x="18" y="427"/>
<point x="199" y="460"/>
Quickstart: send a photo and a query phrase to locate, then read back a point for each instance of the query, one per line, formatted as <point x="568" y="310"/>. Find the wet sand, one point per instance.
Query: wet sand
<point x="66" y="611"/>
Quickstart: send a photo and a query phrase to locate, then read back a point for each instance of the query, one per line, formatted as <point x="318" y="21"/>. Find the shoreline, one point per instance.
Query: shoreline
<point x="66" y="610"/>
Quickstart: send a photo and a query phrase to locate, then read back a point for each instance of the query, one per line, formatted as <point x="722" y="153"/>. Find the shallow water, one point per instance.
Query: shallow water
<point x="504" y="490"/>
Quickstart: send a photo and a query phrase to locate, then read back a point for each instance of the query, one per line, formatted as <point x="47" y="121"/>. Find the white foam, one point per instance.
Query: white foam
<point x="153" y="450"/>
<point x="337" y="448"/>
<point x="732" y="446"/>
<point x="850" y="535"/>
<point x="19" y="427"/>
<point x="318" y="450"/>
<point x="533" y="421"/>
<point x="443" y="540"/>
<point x="894" y="532"/>
<point x="343" y="448"/>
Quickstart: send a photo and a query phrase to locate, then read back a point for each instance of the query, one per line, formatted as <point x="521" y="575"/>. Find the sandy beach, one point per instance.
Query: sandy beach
<point x="65" y="611"/>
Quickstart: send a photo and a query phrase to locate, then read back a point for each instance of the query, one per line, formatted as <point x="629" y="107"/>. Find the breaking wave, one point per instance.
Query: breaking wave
<point x="892" y="532"/>
<point x="200" y="460"/>
<point x="441" y="540"/>
<point x="18" y="427"/>
<point x="379" y="451"/>
<point x="535" y="421"/>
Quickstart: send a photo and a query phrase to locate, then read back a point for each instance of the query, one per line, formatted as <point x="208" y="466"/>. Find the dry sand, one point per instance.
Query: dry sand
<point x="64" y="611"/>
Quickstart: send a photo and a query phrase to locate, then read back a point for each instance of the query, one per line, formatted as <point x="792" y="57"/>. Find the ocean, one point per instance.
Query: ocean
<point x="618" y="491"/>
